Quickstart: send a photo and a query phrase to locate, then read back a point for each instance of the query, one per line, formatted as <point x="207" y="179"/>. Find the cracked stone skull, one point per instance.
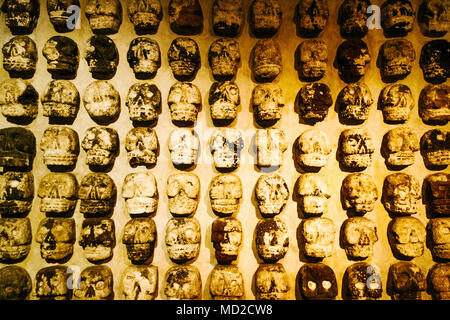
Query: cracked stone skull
<point x="225" y="194"/>
<point x="97" y="193"/>
<point x="15" y="283"/>
<point x="359" y="193"/>
<point x="226" y="236"/>
<point x="101" y="56"/>
<point x="270" y="146"/>
<point x="434" y="103"/>
<point x="313" y="193"/>
<point x="265" y="17"/>
<point x="21" y="17"/>
<point x="406" y="281"/>
<point x="311" y="17"/>
<point x="184" y="147"/>
<point x="58" y="192"/>
<point x="143" y="102"/>
<point x="140" y="192"/>
<point x="183" y="239"/>
<point x="317" y="281"/>
<point x="141" y="144"/>
<point x="396" y="102"/>
<point x="96" y="283"/>
<point x="102" y="101"/>
<point x="185" y="17"/>
<point x="401" y="145"/>
<point x="360" y="236"/>
<point x="228" y="17"/>
<point x="227" y="283"/>
<point x="101" y="145"/>
<point x="266" y="60"/>
<point x="435" y="147"/>
<point x="56" y="237"/>
<point x="318" y="235"/>
<point x="61" y="146"/>
<point x="314" y="100"/>
<point x="439" y="275"/>
<point x="18" y="100"/>
<point x="439" y="231"/>
<point x="144" y="57"/>
<point x="104" y="16"/>
<point x="271" y="239"/>
<point x="184" y="102"/>
<point x="434" y="61"/>
<point x="16" y="193"/>
<point x="312" y="59"/>
<point x="268" y="102"/>
<point x="17" y="147"/>
<point x="60" y="14"/>
<point x="354" y="102"/>
<point x="401" y="191"/>
<point x="224" y="57"/>
<point x="60" y="100"/>
<point x="140" y="282"/>
<point x="271" y="282"/>
<point x="225" y="147"/>
<point x="357" y="148"/>
<point x="314" y="148"/>
<point x="62" y="57"/>
<point x="183" y="283"/>
<point x="224" y="99"/>
<point x="183" y="190"/>
<point x="184" y="58"/>
<point x="352" y="57"/>
<point x="436" y="193"/>
<point x="271" y="193"/>
<point x="139" y="237"/>
<point x="396" y="58"/>
<point x="145" y="15"/>
<point x="97" y="239"/>
<point x="52" y="283"/>
<point x="15" y="239"/>
<point x="397" y="17"/>
<point x="434" y="18"/>
<point x="363" y="282"/>
<point x="353" y="18"/>
<point x="20" y="57"/>
<point x="407" y="237"/>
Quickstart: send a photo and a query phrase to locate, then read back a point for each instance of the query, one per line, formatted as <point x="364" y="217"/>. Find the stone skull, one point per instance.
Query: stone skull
<point x="438" y="230"/>
<point x="141" y="144"/>
<point x="224" y="57"/>
<point x="145" y="15"/>
<point x="352" y="58"/>
<point x="224" y="99"/>
<point x="360" y="236"/>
<point x="401" y="191"/>
<point x="268" y="102"/>
<point x="20" y="57"/>
<point x="104" y="16"/>
<point x="140" y="191"/>
<point x="101" y="145"/>
<point x="434" y="61"/>
<point x="434" y="18"/>
<point x="227" y="283"/>
<point x="102" y="57"/>
<point x="139" y="237"/>
<point x="62" y="57"/>
<point x="15" y="283"/>
<point x="21" y="17"/>
<point x="140" y="282"/>
<point x="314" y="149"/>
<point x="102" y="101"/>
<point x="396" y="59"/>
<point x="397" y="17"/>
<point x="271" y="282"/>
<point x="225" y="147"/>
<point x="15" y="239"/>
<point x="312" y="59"/>
<point x="96" y="283"/>
<point x="58" y="192"/>
<point x="406" y="281"/>
<point x="52" y="283"/>
<point x="184" y="58"/>
<point x="359" y="193"/>
<point x="17" y="147"/>
<point x="183" y="283"/>
<point x="354" y="102"/>
<point x="183" y="239"/>
<point x="97" y="194"/>
<point x="60" y="14"/>
<point x="19" y="100"/>
<point x="363" y="282"/>
<point x="314" y="100"/>
<point x="265" y="17"/>
<point x="56" y="237"/>
<point x="435" y="147"/>
<point x="272" y="194"/>
<point x="143" y="102"/>
<point x="396" y="102"/>
<point x="439" y="283"/>
<point x="60" y="100"/>
<point x="434" y="104"/>
<point x="184" y="147"/>
<point x="311" y="17"/>
<point x="225" y="193"/>
<point x="227" y="17"/>
<point x="16" y="193"/>
<point x="184" y="102"/>
<point x="183" y="191"/>
<point x="313" y="192"/>
<point x="144" y="57"/>
<point x="271" y="239"/>
<point x="226" y="236"/>
<point x="352" y="19"/>
<point x="270" y="146"/>
<point x="407" y="237"/>
<point x="318" y="235"/>
<point x="356" y="146"/>
<point x="317" y="281"/>
<point x="97" y="239"/>
<point x="185" y="17"/>
<point x="436" y="193"/>
<point x="266" y="60"/>
<point x="61" y="146"/>
<point x="401" y="145"/>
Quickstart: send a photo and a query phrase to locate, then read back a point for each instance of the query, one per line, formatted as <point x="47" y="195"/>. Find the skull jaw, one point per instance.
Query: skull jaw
<point x="139" y="252"/>
<point x="270" y="209"/>
<point x="182" y="206"/>
<point x="269" y="158"/>
<point x="409" y="250"/>
<point x="138" y="113"/>
<point x="361" y="206"/>
<point x="96" y="207"/>
<point x="20" y="22"/>
<point x="318" y="250"/>
<point x="59" y="110"/>
<point x="435" y="115"/>
<point x="395" y="71"/>
<point x="104" y="24"/>
<point x="97" y="253"/>
<point x="355" y="27"/>
<point x="182" y="253"/>
<point x="19" y="65"/>
<point x="137" y="158"/>
<point x="18" y="110"/>
<point x="271" y="254"/>
<point x="226" y="160"/>
<point x="225" y="207"/>
<point x="267" y="72"/>
<point x="15" y="207"/>
<point x="437" y="158"/>
<point x="434" y="73"/>
<point x="441" y="250"/>
<point x="359" y="251"/>
<point x="441" y="206"/>
<point x="312" y="71"/>
<point x="9" y="253"/>
<point x="59" y="68"/>
<point x="274" y="295"/>
<point x="145" y="22"/>
<point x="401" y="158"/>
<point x="50" y="205"/>
<point x="56" y="251"/>
<point x="357" y="161"/>
<point x="58" y="158"/>
<point x="183" y="113"/>
<point x="184" y="157"/>
<point x="443" y="295"/>
<point x="141" y="205"/>
<point x="59" y="20"/>
<point x="183" y="70"/>
<point x="223" y="111"/>
<point x="313" y="160"/>
<point x="226" y="253"/>
<point x="402" y="206"/>
<point x="145" y="69"/>
<point x="354" y="113"/>
<point x="224" y="70"/>
<point x="313" y="205"/>
<point x="395" y="114"/>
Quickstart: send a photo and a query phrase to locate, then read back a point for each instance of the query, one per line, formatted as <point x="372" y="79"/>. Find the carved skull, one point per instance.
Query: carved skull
<point x="18" y="100"/>
<point x="15" y="239"/>
<point x="318" y="235"/>
<point x="102" y="101"/>
<point x="183" y="239"/>
<point x="396" y="59"/>
<point x="227" y="283"/>
<point x="438" y="230"/>
<point x="97" y="239"/>
<point x="396" y="102"/>
<point x="62" y="57"/>
<point x="145" y="15"/>
<point x="314" y="100"/>
<point x="102" y="57"/>
<point x="397" y="17"/>
<point x="271" y="282"/>
<point x="435" y="147"/>
<point x="15" y="283"/>
<point x="311" y="17"/>
<point x="56" y="237"/>
<point x="96" y="283"/>
<point x="436" y="193"/>
<point x="58" y="192"/>
<point x="143" y="102"/>
<point x="185" y="17"/>
<point x="400" y="193"/>
<point x="225" y="147"/>
<point x="184" y="58"/>
<point x="272" y="194"/>
<point x="312" y="59"/>
<point x="314" y="148"/>
<point x="401" y="144"/>
<point x="52" y="283"/>
<point x="139" y="237"/>
<point x="359" y="193"/>
<point x="224" y="57"/>
<point x="60" y="100"/>
<point x="184" y="102"/>
<point x="363" y="282"/>
<point x="267" y="101"/>
<point x="20" y="57"/>
<point x="313" y="192"/>
<point x="407" y="237"/>
<point x="60" y="14"/>
<point x="360" y="236"/>
<point x="183" y="191"/>
<point x="266" y="60"/>
<point x="354" y="102"/>
<point x="228" y="17"/>
<point x="225" y="193"/>
<point x="17" y="147"/>
<point x="183" y="283"/>
<point x="434" y="18"/>
<point x="16" y="193"/>
<point x="144" y="57"/>
<point x="224" y="99"/>
<point x="352" y="57"/>
<point x="317" y="281"/>
<point x="271" y="239"/>
<point x="104" y="16"/>
<point x="434" y="61"/>
<point x="434" y="104"/>
<point x="140" y="192"/>
<point x="141" y="144"/>
<point x="101" y="145"/>
<point x="21" y="17"/>
<point x="184" y="146"/>
<point x="353" y="18"/>
<point x="406" y="281"/>
<point x="439" y="283"/>
<point x="265" y="17"/>
<point x="270" y="146"/>
<point x="357" y="148"/>
<point x="61" y="146"/>
<point x="226" y="236"/>
<point x="140" y="282"/>
<point x="97" y="193"/>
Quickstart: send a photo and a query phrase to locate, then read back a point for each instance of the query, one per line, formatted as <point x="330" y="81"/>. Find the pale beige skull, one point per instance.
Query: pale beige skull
<point x="139" y="237"/>
<point x="101" y="145"/>
<point x="356" y="146"/>
<point x="313" y="192"/>
<point x="314" y="148"/>
<point x="61" y="146"/>
<point x="140" y="191"/>
<point x="183" y="239"/>
<point x="396" y="102"/>
<point x="313" y="58"/>
<point x="143" y="102"/>
<point x="227" y="283"/>
<point x="225" y="194"/>
<point x="271" y="193"/>
<point x="184" y="147"/>
<point x="58" y="192"/>
<point x="401" y="144"/>
<point x="225" y="147"/>
<point x="184" y="102"/>
<point x="360" y="236"/>
<point x="56" y="237"/>
<point x="271" y="282"/>
<point x="359" y="193"/>
<point x="267" y="101"/>
<point x="140" y="282"/>
<point x="104" y="16"/>
<point x="15" y="239"/>
<point x="141" y="144"/>
<point x="439" y="231"/>
<point x="270" y="146"/>
<point x="401" y="191"/>
<point x="407" y="237"/>
<point x="183" y="192"/>
<point x="318" y="234"/>
<point x="224" y="99"/>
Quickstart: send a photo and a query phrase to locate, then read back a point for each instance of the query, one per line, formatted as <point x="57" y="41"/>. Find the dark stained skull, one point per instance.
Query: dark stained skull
<point x="145" y="15"/>
<point x="56" y="237"/>
<point x="97" y="193"/>
<point x="184" y="58"/>
<point x="352" y="57"/>
<point x="96" y="283"/>
<point x="397" y="17"/>
<point x="53" y="283"/>
<point x="434" y="17"/>
<point x="104" y="16"/>
<point x="15" y="283"/>
<point x="102" y="57"/>
<point x="435" y="147"/>
<point x="311" y="17"/>
<point x="228" y="17"/>
<point x="97" y="239"/>
<point x="435" y="61"/>
<point x="317" y="281"/>
<point x="353" y="18"/>
<point x="144" y="57"/>
<point x="17" y="147"/>
<point x="15" y="239"/>
<point x="436" y="193"/>
<point x="434" y="104"/>
<point x="396" y="58"/>
<point x="265" y="17"/>
<point x="20" y="57"/>
<point x="19" y="100"/>
<point x="406" y="281"/>
<point x="185" y="17"/>
<point x="314" y="100"/>
<point x="60" y="15"/>
<point x="16" y="193"/>
<point x="224" y="57"/>
<point x="21" y="15"/>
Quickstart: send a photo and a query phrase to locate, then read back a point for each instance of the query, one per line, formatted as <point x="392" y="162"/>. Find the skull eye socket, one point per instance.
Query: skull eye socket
<point x="100" y="285"/>
<point x="326" y="284"/>
<point x="312" y="285"/>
